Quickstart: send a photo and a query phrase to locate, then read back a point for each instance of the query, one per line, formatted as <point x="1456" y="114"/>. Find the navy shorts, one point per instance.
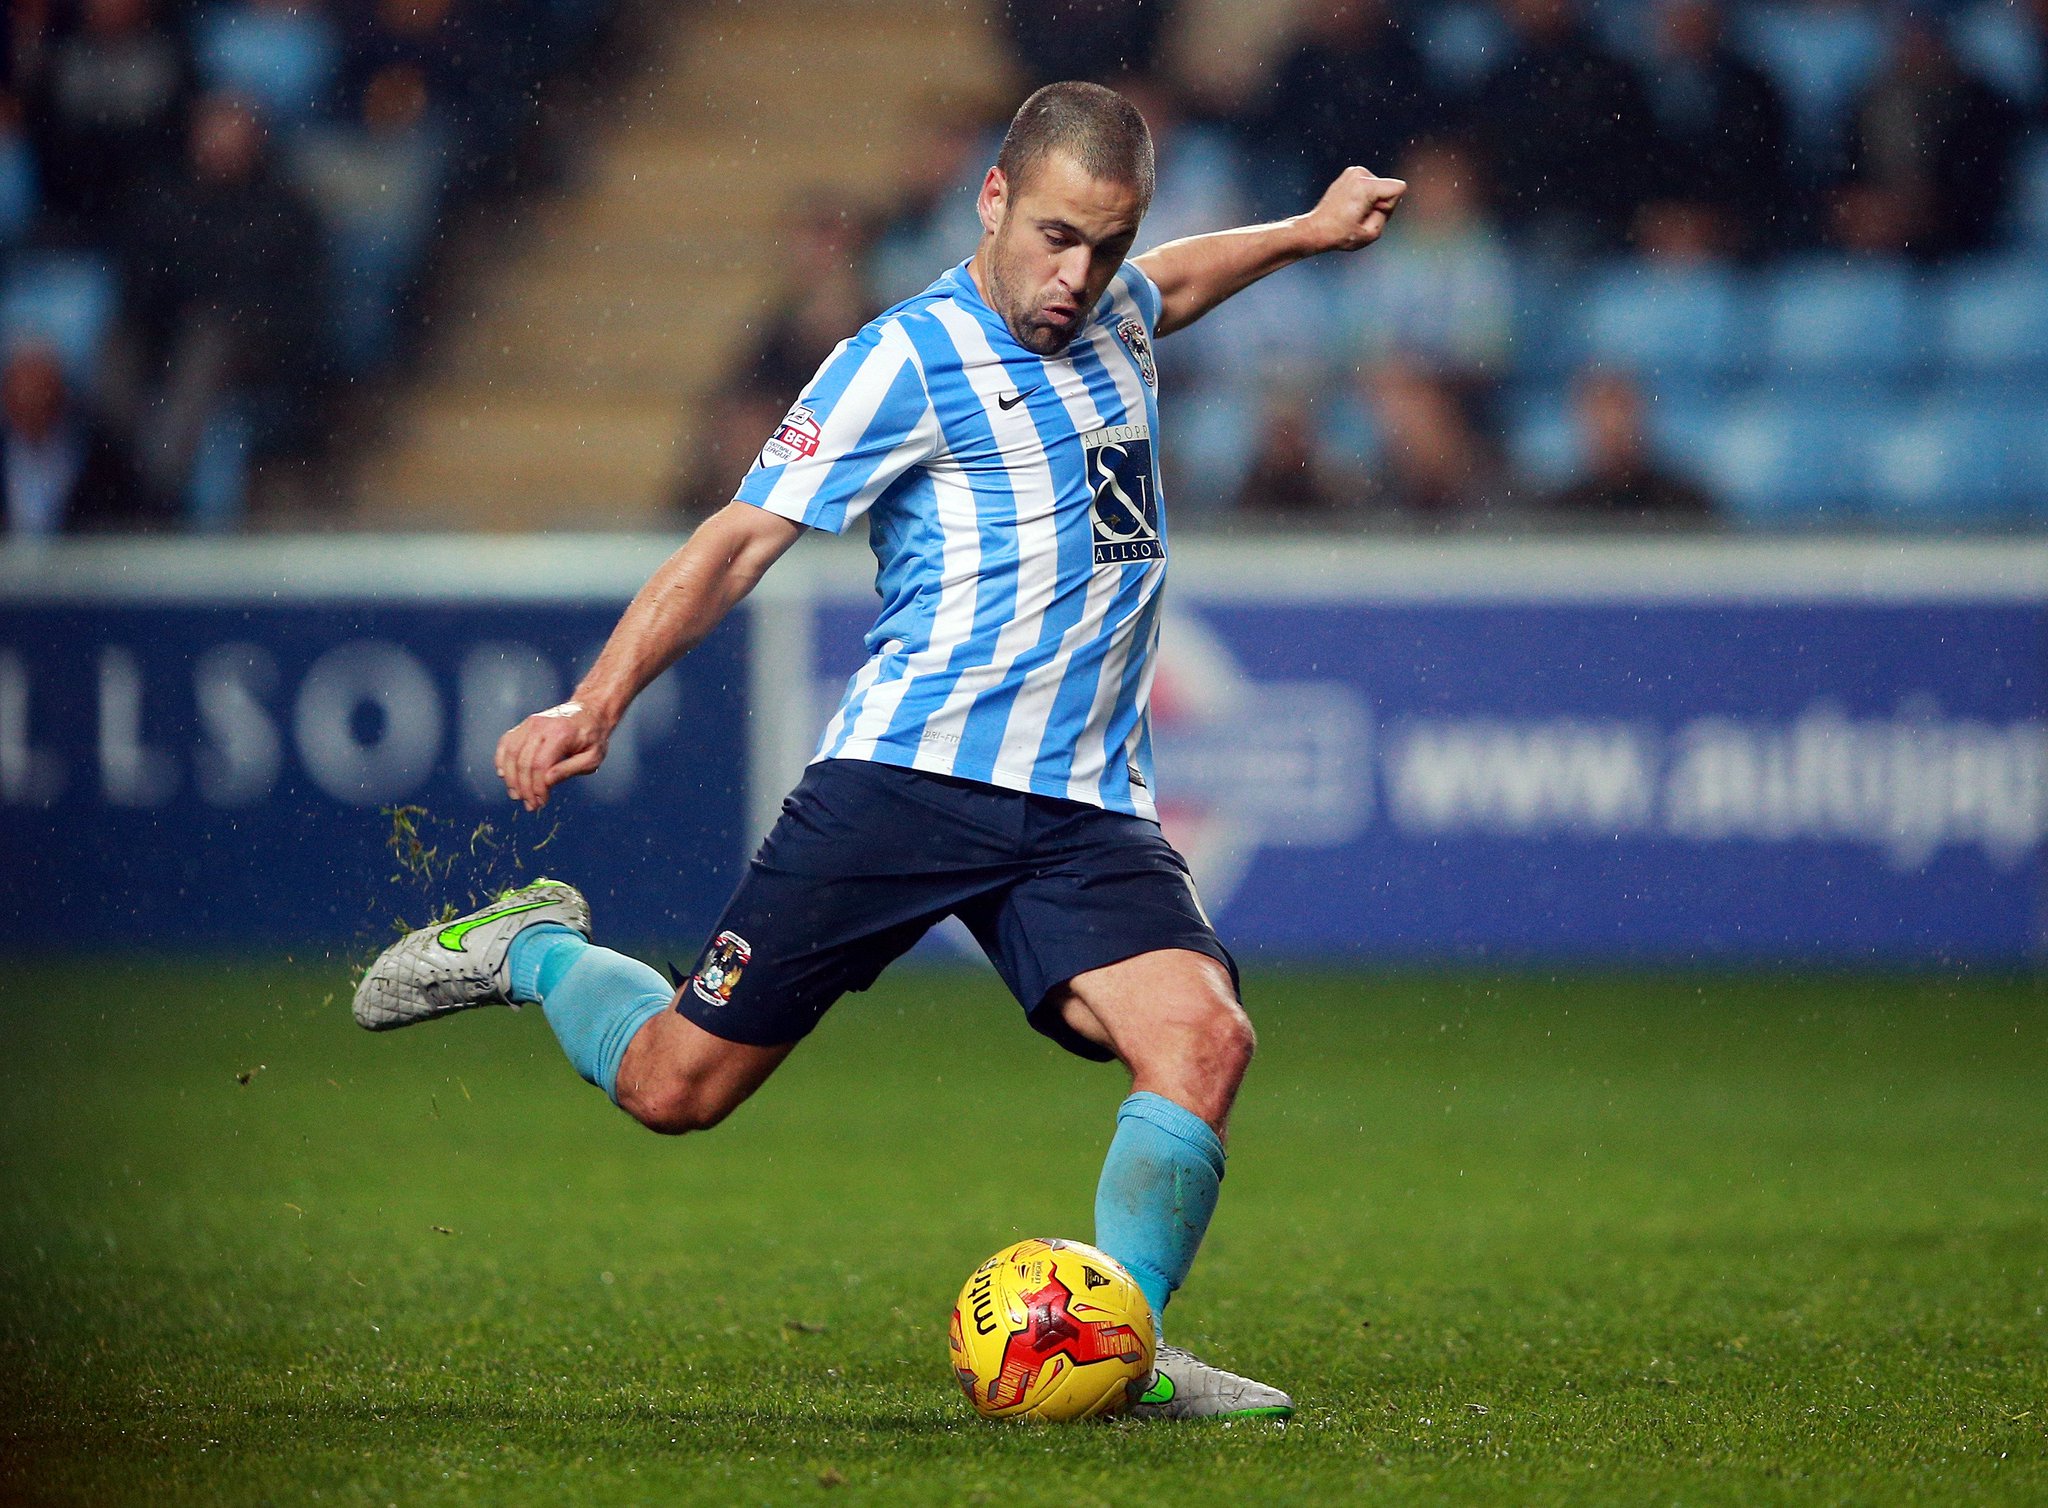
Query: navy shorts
<point x="867" y="857"/>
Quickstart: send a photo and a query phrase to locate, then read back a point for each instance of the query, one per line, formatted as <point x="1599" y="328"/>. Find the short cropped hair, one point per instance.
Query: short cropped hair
<point x="1097" y="127"/>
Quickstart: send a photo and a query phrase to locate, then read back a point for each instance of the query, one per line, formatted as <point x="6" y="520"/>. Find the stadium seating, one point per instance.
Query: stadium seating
<point x="1780" y="462"/>
<point x="1992" y="38"/>
<point x="1679" y="327"/>
<point x="1462" y="40"/>
<point x="1992" y="320"/>
<point x="283" y="60"/>
<point x="1820" y="57"/>
<point x="1810" y="386"/>
<point x="1547" y="447"/>
<point x="1542" y="441"/>
<point x="378" y="198"/>
<point x="67" y="299"/>
<point x="2030" y="195"/>
<point x="1963" y="458"/>
<point x="1841" y="322"/>
<point x="17" y="189"/>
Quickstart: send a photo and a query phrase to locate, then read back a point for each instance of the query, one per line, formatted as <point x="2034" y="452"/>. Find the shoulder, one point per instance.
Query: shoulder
<point x="1132" y="294"/>
<point x="936" y="332"/>
<point x="884" y="343"/>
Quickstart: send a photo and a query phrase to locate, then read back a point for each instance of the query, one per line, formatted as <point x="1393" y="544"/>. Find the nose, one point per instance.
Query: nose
<point x="1073" y="267"/>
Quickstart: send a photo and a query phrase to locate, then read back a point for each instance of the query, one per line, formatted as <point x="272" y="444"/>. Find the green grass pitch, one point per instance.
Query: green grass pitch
<point x="1510" y="1241"/>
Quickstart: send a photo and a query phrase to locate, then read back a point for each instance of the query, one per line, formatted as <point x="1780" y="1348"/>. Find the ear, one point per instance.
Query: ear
<point x="994" y="200"/>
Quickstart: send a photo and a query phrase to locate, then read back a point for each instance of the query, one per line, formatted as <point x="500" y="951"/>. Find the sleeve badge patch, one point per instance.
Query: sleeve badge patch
<point x="719" y="974"/>
<point x="796" y="437"/>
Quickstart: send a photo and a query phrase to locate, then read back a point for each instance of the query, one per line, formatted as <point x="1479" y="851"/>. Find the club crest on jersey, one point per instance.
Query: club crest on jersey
<point x="797" y="435"/>
<point x="719" y="975"/>
<point x="1118" y="464"/>
<point x="1132" y="333"/>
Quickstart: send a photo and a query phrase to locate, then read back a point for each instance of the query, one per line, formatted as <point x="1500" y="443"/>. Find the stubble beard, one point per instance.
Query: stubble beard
<point x="1038" y="338"/>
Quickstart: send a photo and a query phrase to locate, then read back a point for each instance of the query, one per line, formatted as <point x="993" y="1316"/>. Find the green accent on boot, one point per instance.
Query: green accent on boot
<point x="451" y="937"/>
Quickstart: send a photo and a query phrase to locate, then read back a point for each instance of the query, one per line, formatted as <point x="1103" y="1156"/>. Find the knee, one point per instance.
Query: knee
<point x="1232" y="1041"/>
<point x="674" y="1107"/>
<point x="1202" y="1065"/>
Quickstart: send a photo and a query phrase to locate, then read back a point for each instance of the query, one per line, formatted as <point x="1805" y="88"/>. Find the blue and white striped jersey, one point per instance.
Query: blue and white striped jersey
<point x="1013" y="504"/>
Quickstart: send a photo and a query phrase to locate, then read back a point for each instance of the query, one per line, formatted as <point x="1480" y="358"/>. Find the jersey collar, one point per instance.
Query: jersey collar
<point x="961" y="285"/>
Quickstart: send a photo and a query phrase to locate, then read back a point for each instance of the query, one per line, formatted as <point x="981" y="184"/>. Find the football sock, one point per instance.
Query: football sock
<point x="540" y="956"/>
<point x="595" y="999"/>
<point x="1158" y="1190"/>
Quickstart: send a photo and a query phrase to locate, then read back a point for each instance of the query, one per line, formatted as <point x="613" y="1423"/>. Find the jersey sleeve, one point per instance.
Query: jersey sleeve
<point x="863" y="421"/>
<point x="1144" y="293"/>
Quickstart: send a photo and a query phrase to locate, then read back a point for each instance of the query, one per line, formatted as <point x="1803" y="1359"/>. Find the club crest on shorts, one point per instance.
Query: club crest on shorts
<point x="1118" y="464"/>
<point x="797" y="435"/>
<point x="719" y="975"/>
<point x="1132" y="333"/>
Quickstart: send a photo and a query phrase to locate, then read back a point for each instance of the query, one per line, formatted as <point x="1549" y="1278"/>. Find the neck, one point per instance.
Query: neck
<point x="977" y="271"/>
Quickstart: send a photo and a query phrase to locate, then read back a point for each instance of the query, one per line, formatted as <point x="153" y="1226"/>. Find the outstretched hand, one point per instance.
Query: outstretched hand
<point x="1353" y="210"/>
<point x="549" y="748"/>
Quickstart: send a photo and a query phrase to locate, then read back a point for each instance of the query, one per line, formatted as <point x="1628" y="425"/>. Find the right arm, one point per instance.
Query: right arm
<point x="826" y="464"/>
<point x="681" y="603"/>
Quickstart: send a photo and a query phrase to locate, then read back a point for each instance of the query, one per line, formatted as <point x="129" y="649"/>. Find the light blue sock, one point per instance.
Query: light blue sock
<point x="595" y="999"/>
<point x="1157" y="1193"/>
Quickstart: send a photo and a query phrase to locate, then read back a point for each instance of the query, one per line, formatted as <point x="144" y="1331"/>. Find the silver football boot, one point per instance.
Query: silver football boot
<point x="456" y="964"/>
<point x="1186" y="1387"/>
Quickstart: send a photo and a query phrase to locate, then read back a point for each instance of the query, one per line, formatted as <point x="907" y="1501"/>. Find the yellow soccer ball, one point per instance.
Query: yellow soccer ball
<point x="1051" y="1330"/>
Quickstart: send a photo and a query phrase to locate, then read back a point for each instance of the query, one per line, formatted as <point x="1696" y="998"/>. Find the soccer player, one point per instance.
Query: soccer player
<point x="993" y="758"/>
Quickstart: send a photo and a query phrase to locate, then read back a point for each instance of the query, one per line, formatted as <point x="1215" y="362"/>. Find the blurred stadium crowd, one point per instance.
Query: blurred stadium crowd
<point x="214" y="216"/>
<point x="1664" y="262"/>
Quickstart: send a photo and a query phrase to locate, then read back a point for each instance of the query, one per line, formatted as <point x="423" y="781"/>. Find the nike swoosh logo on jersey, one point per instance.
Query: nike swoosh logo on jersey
<point x="451" y="937"/>
<point x="1006" y="403"/>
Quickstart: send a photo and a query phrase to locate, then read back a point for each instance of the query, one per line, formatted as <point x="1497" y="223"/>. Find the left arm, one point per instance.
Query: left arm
<point x="1197" y="273"/>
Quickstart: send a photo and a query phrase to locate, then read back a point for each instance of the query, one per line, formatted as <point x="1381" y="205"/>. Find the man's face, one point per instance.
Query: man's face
<point x="1053" y="243"/>
<point x="226" y="141"/>
<point x="32" y="392"/>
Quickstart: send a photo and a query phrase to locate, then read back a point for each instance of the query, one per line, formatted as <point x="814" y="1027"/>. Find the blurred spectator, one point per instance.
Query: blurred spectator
<point x="1721" y="144"/>
<point x="477" y="59"/>
<point x="1351" y="89"/>
<point x="61" y="469"/>
<point x="376" y="184"/>
<point x="824" y="297"/>
<point x="931" y="224"/>
<point x="1682" y="232"/>
<point x="1934" y="154"/>
<point x="106" y="112"/>
<point x="426" y="35"/>
<point x="18" y="191"/>
<point x="1439" y="288"/>
<point x="1199" y="178"/>
<point x="230" y="295"/>
<point x="1288" y="480"/>
<point x="2005" y="42"/>
<point x="22" y="37"/>
<point x="1566" y="134"/>
<point x="1100" y="40"/>
<point x="279" y="53"/>
<point x="1433" y="469"/>
<point x="1620" y="482"/>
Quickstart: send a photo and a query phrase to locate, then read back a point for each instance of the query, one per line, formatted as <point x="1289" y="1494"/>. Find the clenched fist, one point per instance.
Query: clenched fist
<point x="548" y="748"/>
<point x="1354" y="209"/>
